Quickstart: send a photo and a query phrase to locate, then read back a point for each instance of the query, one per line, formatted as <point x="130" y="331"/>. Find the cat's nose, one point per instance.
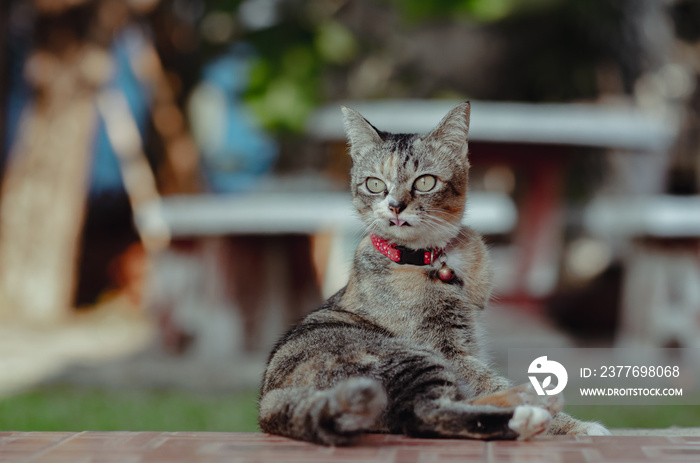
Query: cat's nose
<point x="396" y="207"/>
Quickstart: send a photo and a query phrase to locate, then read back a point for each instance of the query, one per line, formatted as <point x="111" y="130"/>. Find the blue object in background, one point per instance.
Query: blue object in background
<point x="235" y="151"/>
<point x="106" y="177"/>
<point x="19" y="92"/>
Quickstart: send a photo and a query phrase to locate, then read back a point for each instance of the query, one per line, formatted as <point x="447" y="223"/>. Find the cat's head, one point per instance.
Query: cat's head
<point x="410" y="189"/>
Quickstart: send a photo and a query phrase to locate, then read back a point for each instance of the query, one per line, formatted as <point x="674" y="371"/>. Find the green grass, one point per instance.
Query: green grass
<point x="638" y="416"/>
<point x="63" y="408"/>
<point x="81" y="409"/>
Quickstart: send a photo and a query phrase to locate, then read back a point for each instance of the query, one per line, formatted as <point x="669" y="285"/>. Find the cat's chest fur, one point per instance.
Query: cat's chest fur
<point x="413" y="303"/>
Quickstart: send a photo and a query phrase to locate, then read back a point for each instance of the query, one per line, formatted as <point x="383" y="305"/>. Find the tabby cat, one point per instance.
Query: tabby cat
<point x="398" y="350"/>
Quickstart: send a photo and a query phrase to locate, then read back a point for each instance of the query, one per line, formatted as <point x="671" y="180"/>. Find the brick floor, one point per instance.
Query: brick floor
<point x="157" y="447"/>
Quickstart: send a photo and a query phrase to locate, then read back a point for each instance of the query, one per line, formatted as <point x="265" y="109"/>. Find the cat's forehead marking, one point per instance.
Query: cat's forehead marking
<point x="400" y="156"/>
<point x="389" y="165"/>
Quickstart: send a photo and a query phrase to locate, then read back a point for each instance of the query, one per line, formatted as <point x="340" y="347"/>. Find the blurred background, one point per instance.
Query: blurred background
<point x="175" y="185"/>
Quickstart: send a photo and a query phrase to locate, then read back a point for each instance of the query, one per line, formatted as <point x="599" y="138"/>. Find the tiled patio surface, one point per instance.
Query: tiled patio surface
<point x="136" y="447"/>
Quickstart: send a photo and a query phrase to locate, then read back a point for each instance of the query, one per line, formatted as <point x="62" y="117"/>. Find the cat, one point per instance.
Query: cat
<point x="399" y="349"/>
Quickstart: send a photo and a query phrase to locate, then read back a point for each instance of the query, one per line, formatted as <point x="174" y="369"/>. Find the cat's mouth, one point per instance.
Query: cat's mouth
<point x="398" y="222"/>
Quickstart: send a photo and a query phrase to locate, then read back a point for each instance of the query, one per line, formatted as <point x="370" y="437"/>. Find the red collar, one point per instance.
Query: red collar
<point x="403" y="255"/>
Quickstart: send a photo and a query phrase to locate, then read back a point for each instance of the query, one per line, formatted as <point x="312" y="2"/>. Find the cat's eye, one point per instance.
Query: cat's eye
<point x="374" y="185"/>
<point x="425" y="183"/>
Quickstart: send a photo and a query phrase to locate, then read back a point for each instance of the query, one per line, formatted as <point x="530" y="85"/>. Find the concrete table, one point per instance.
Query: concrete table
<point x="660" y="236"/>
<point x="191" y="290"/>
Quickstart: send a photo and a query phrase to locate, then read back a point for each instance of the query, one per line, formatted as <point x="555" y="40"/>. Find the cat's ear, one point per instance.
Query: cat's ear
<point x="361" y="134"/>
<point x="453" y="130"/>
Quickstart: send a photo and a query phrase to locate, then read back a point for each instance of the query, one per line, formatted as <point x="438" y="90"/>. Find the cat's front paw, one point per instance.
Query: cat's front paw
<point x="528" y="421"/>
<point x="360" y="403"/>
<point x="588" y="428"/>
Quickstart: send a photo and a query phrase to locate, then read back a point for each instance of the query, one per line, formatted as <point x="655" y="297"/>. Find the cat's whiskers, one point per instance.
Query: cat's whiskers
<point x="372" y="227"/>
<point x="439" y="223"/>
<point x="444" y="223"/>
<point x="368" y="228"/>
<point x="442" y="233"/>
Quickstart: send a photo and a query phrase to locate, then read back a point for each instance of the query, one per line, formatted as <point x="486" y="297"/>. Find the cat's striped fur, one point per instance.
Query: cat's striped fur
<point x="398" y="350"/>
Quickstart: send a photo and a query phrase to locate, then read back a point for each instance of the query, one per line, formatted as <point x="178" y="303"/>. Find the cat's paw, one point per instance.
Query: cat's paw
<point x="528" y="421"/>
<point x="588" y="428"/>
<point x="360" y="403"/>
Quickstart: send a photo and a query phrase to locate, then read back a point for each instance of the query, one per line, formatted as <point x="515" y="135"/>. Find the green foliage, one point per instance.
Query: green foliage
<point x="82" y="409"/>
<point x="284" y="91"/>
<point x="335" y="43"/>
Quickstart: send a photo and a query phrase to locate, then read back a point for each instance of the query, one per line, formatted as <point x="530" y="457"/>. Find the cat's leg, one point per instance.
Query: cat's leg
<point x="566" y="424"/>
<point x="441" y="415"/>
<point x="336" y="416"/>
<point x="493" y="389"/>
<point x="561" y="423"/>
<point x="426" y="400"/>
<point x="526" y="395"/>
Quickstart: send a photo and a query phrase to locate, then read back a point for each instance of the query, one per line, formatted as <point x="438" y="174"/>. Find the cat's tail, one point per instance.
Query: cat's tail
<point x="336" y="416"/>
